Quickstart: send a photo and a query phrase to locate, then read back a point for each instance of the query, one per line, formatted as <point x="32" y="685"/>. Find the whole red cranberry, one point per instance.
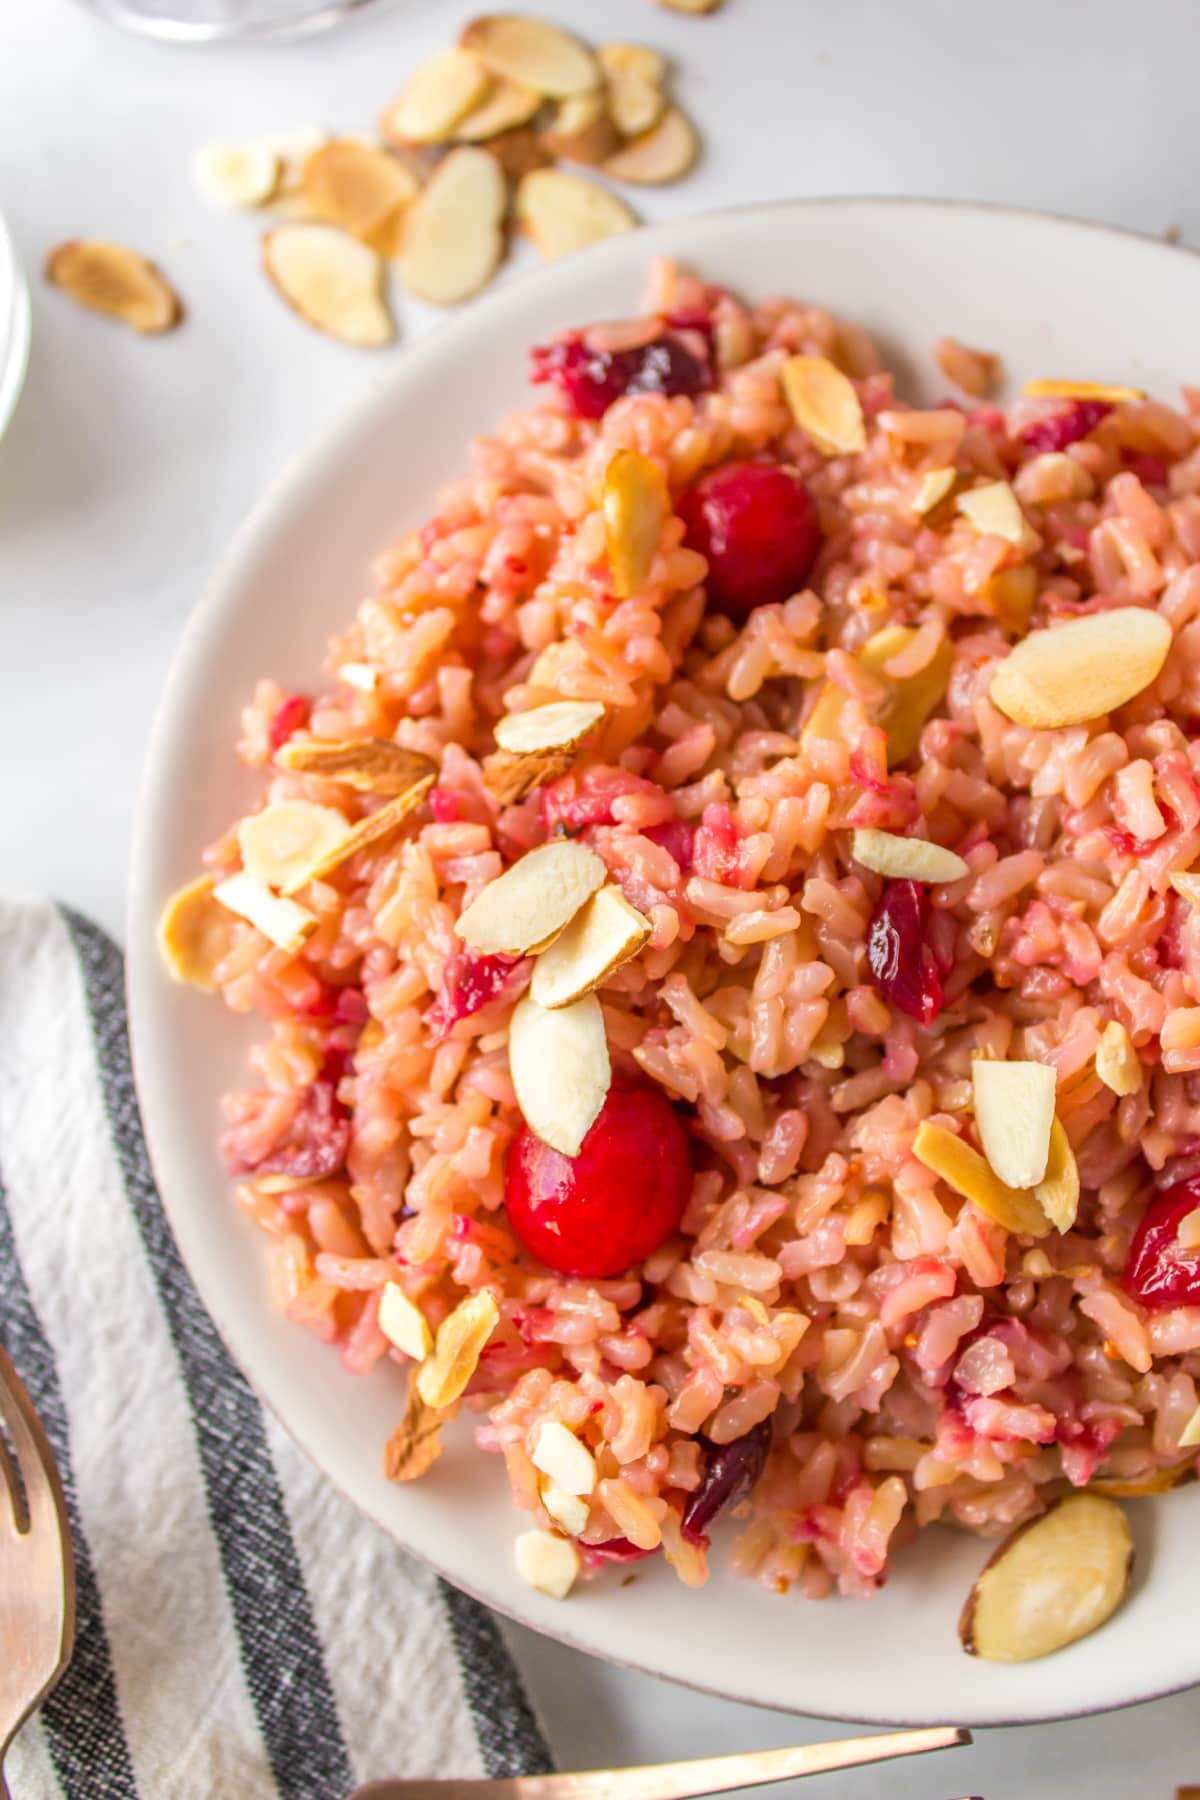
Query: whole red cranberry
<point x="756" y="523"/>
<point x="1159" y="1271"/>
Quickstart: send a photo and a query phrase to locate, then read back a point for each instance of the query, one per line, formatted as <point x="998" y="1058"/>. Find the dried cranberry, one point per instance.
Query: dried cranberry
<point x="1151" y="471"/>
<point x="315" y="1143"/>
<point x="756" y="524"/>
<point x="1066" y="426"/>
<point x="468" y="983"/>
<point x="291" y="713"/>
<point x="593" y="379"/>
<point x="597" y="1213"/>
<point x="677" y="838"/>
<point x="730" y="1472"/>
<point x="1158" y="1270"/>
<point x="903" y="966"/>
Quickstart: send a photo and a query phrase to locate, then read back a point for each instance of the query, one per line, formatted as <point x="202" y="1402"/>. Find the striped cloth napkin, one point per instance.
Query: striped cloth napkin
<point x="242" y="1631"/>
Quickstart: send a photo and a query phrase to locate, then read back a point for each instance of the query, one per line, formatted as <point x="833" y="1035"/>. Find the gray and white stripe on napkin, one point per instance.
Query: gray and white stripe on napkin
<point x="242" y="1631"/>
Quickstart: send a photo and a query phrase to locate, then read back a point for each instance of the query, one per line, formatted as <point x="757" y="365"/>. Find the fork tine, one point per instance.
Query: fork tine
<point x="45" y="1502"/>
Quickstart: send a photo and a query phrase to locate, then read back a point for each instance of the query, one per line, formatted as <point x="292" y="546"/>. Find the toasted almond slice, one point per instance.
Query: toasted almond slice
<point x="824" y="404"/>
<point x="560" y="1069"/>
<point x="1081" y="390"/>
<point x="562" y="725"/>
<point x="240" y="175"/>
<point x="439" y="92"/>
<point x="504" y="107"/>
<point x="635" y="103"/>
<point x="603" y="935"/>
<point x="690" y="6"/>
<point x="1189" y="1437"/>
<point x="563" y="212"/>
<point x="1073" y="673"/>
<point x="108" y="278"/>
<point x="963" y="1169"/>
<point x="1057" y="1193"/>
<point x="510" y="778"/>
<point x="559" y="1454"/>
<point x="331" y="280"/>
<point x="361" y="189"/>
<point x="548" y="1563"/>
<point x="582" y="129"/>
<point x="1014" y="1113"/>
<point x="366" y="833"/>
<point x="452" y="234"/>
<point x="292" y="150"/>
<point x="457" y="1348"/>
<point x="359" y="675"/>
<point x="1117" y="1062"/>
<point x="533" y="52"/>
<point x="1053" y="1581"/>
<point x="632" y="59"/>
<point x="909" y="703"/>
<point x="1187" y="886"/>
<point x="1010" y="594"/>
<point x="195" y="933"/>
<point x="416" y="1443"/>
<point x="519" y="152"/>
<point x="284" y="841"/>
<point x="404" y="1324"/>
<point x="933" y="487"/>
<point x="666" y="152"/>
<point x="372" y="765"/>
<point x="1157" y="1481"/>
<point x="906" y="858"/>
<point x="637" y="506"/>
<point x="568" y="1511"/>
<point x="994" y="510"/>
<point x="524" y="909"/>
<point x="287" y="925"/>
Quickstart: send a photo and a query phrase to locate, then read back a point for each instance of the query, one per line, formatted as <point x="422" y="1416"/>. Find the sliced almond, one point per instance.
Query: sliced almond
<point x="510" y="778"/>
<point x="367" y="833"/>
<point x="533" y="52"/>
<point x="1157" y="1481"/>
<point x="932" y="488"/>
<point x="108" y="278"/>
<point x="824" y="404"/>
<point x="1053" y="1581"/>
<point x="618" y="60"/>
<point x="284" y="841"/>
<point x="1073" y="673"/>
<point x="359" y="675"/>
<point x="504" y="107"/>
<point x="1186" y="886"/>
<point x="560" y="1069"/>
<point x="664" y="153"/>
<point x="690" y="6"/>
<point x="1189" y="1437"/>
<point x="563" y="212"/>
<point x="439" y="92"/>
<point x="372" y="765"/>
<point x="636" y="104"/>
<point x="562" y="725"/>
<point x="963" y="1169"/>
<point x="1014" y="1114"/>
<point x="568" y="1511"/>
<point x="548" y="1563"/>
<point x="637" y="506"/>
<point x="452" y="231"/>
<point x="906" y="858"/>
<point x="603" y="935"/>
<point x="524" y="909"/>
<point x="1009" y="595"/>
<point x="459" y="1344"/>
<point x="559" y="1454"/>
<point x="195" y="934"/>
<point x="416" y="1443"/>
<point x="331" y="280"/>
<point x="292" y="150"/>
<point x="994" y="510"/>
<point x="1081" y="390"/>
<point x="1117" y="1062"/>
<point x="239" y="175"/>
<point x="404" y="1324"/>
<point x="519" y="152"/>
<point x="288" y="925"/>
<point x="582" y="129"/>
<point x="1057" y="1193"/>
<point x="362" y="190"/>
<point x="909" y="703"/>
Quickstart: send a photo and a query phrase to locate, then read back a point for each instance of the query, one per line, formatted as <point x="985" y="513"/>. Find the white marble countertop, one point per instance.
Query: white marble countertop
<point x="129" y="463"/>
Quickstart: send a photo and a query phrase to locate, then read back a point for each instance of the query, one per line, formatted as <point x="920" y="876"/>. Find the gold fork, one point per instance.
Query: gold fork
<point x="37" y="1568"/>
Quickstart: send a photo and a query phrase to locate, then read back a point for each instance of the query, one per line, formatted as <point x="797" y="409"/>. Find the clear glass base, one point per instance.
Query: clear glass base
<point x="206" y="21"/>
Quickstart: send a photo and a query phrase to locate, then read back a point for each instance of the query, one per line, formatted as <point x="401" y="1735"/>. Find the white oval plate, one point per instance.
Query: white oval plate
<point x="1057" y="298"/>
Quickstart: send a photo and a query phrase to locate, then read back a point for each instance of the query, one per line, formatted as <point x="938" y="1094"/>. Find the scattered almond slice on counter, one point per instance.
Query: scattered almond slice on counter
<point x="548" y="1563"/>
<point x="560" y="725"/>
<point x="284" y="841"/>
<point x="1189" y="1437"/>
<point x="453" y="239"/>
<point x="439" y="92"/>
<point x="195" y="933"/>
<point x="292" y="150"/>
<point x="582" y="129"/>
<point x="664" y="153"/>
<point x="618" y="60"/>
<point x="932" y="488"/>
<point x="288" y="925"/>
<point x="636" y="105"/>
<point x="963" y="1169"/>
<point x="560" y="1069"/>
<point x="116" y="281"/>
<point x="563" y="213"/>
<point x="602" y="936"/>
<point x="994" y="510"/>
<point x="559" y="1454"/>
<point x="637" y="506"/>
<point x="1073" y="673"/>
<point x="459" y="1344"/>
<point x="361" y="189"/>
<point x="906" y="858"/>
<point x="372" y="765"/>
<point x="331" y="280"/>
<point x="416" y="1443"/>
<point x="1117" y="1062"/>
<point x="1057" y="1193"/>
<point x="690" y="6"/>
<point x="504" y="107"/>
<point x="1081" y="390"/>
<point x="532" y="52"/>
<point x="404" y="1324"/>
<point x="367" y="832"/>
<point x="1054" y="1580"/>
<point x="517" y="153"/>
<point x="567" y="1510"/>
<point x="523" y="910"/>
<point x="237" y="175"/>
<point x="1014" y="1114"/>
<point x="824" y="404"/>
